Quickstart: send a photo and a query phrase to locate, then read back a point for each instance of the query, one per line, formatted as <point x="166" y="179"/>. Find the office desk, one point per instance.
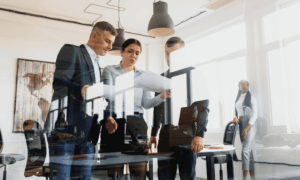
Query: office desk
<point x="108" y="159"/>
<point x="210" y="165"/>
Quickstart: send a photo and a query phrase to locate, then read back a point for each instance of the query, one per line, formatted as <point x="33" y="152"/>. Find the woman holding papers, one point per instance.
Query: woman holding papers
<point x="246" y="110"/>
<point x="115" y="75"/>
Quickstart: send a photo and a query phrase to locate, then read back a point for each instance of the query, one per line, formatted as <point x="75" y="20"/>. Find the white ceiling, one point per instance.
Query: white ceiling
<point x="134" y="18"/>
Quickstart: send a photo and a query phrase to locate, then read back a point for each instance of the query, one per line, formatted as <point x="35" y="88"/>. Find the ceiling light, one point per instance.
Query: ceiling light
<point x="117" y="46"/>
<point x="161" y="23"/>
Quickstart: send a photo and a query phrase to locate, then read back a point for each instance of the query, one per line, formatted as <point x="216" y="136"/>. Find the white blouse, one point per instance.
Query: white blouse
<point x="239" y="107"/>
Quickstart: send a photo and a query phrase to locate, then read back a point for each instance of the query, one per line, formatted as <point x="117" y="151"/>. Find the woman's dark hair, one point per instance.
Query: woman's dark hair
<point x="59" y="116"/>
<point x="131" y="41"/>
<point x="60" y="120"/>
<point x="247" y="100"/>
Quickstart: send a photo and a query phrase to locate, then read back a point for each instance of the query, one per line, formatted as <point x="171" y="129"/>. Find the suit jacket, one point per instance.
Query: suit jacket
<point x="159" y="113"/>
<point x="74" y="69"/>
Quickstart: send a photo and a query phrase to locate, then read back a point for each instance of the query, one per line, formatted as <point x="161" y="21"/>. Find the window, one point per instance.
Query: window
<point x="284" y="76"/>
<point x="221" y="57"/>
<point x="282" y="29"/>
<point x="54" y="108"/>
<point x="282" y="24"/>
<point x="222" y="81"/>
<point x="217" y="45"/>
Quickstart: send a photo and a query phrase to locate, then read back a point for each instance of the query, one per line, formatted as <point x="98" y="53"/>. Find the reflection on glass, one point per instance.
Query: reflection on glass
<point x="89" y="108"/>
<point x="229" y="74"/>
<point x="216" y="45"/>
<point x="178" y="60"/>
<point x="119" y="105"/>
<point x="222" y="79"/>
<point x="129" y="102"/>
<point x="283" y="75"/>
<point x="282" y="24"/>
<point x="124" y="81"/>
<point x="179" y="96"/>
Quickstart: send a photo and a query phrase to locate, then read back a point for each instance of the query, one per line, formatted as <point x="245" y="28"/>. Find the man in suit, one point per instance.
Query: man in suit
<point x="77" y="68"/>
<point x="185" y="157"/>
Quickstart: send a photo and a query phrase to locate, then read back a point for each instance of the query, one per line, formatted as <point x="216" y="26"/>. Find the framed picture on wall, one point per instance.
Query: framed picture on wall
<point x="33" y="92"/>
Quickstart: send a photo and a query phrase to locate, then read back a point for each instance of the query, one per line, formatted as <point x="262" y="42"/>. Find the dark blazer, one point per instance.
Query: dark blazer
<point x="74" y="69"/>
<point x="159" y="114"/>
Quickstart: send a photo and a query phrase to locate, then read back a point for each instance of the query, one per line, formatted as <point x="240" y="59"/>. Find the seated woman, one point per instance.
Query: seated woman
<point x="60" y="122"/>
<point x="130" y="52"/>
<point x="246" y="110"/>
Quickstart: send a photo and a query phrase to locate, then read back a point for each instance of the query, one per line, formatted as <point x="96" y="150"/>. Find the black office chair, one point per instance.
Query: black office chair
<point x="36" y="146"/>
<point x="6" y="159"/>
<point x="228" y="139"/>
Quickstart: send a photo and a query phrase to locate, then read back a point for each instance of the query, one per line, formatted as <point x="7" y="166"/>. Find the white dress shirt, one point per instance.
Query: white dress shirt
<point x="239" y="107"/>
<point x="98" y="103"/>
<point x="95" y="62"/>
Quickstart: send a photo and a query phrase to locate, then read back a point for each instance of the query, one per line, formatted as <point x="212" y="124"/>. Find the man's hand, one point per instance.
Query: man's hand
<point x="152" y="140"/>
<point x="197" y="144"/>
<point x="83" y="91"/>
<point x="165" y="94"/>
<point x="111" y="125"/>
<point x="235" y="120"/>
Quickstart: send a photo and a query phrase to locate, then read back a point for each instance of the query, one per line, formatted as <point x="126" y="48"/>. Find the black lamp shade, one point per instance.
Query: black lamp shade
<point x="117" y="46"/>
<point x="161" y="23"/>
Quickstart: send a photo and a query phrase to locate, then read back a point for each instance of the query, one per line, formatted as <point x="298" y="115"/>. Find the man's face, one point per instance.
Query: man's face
<point x="168" y="51"/>
<point x="103" y="43"/>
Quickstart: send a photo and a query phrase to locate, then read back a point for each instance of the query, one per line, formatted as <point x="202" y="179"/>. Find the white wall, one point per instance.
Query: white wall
<point x="39" y="39"/>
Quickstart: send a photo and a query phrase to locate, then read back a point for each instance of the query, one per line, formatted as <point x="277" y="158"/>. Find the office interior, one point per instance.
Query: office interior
<point x="256" y="40"/>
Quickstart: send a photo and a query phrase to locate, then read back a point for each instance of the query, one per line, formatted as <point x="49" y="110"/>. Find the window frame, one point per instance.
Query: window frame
<point x="277" y="45"/>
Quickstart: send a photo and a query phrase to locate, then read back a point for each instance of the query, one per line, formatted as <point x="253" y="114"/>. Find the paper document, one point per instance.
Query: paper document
<point x="99" y="90"/>
<point x="150" y="81"/>
<point x="94" y="91"/>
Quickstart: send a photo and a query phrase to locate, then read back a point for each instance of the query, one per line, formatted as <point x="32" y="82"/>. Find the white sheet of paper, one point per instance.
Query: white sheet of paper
<point x="94" y="91"/>
<point x="100" y="90"/>
<point x="150" y="81"/>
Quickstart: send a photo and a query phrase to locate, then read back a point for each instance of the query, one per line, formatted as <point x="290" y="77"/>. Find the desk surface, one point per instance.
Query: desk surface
<point x="119" y="158"/>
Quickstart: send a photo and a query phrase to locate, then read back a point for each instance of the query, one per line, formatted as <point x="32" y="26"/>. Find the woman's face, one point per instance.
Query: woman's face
<point x="62" y="115"/>
<point x="244" y="86"/>
<point x="131" y="54"/>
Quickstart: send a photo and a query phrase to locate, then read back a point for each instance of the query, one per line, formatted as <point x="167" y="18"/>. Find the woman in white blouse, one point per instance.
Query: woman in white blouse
<point x="246" y="110"/>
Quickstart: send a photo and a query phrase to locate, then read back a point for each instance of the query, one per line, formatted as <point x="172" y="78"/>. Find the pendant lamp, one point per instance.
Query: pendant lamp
<point x="161" y="23"/>
<point x="117" y="46"/>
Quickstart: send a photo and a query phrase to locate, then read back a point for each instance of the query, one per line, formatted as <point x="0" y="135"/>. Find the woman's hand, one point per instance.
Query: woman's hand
<point x="245" y="132"/>
<point x="235" y="120"/>
<point x="244" y="136"/>
<point x="165" y="94"/>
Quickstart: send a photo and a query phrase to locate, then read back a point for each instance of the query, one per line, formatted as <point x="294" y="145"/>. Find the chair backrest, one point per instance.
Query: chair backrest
<point x="1" y="142"/>
<point x="229" y="134"/>
<point x="262" y="128"/>
<point x="36" y="145"/>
